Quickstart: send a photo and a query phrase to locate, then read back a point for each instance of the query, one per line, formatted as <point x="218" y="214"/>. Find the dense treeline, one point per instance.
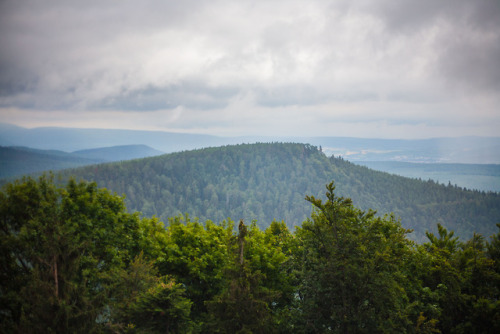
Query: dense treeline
<point x="17" y="161"/>
<point x="266" y="182"/>
<point x="73" y="260"/>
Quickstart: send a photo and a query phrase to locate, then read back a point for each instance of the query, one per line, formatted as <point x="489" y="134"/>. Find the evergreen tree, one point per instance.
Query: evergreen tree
<point x="243" y="306"/>
<point x="349" y="263"/>
<point x="59" y="249"/>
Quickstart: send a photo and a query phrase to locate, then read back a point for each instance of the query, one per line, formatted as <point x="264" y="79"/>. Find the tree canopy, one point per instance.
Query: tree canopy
<point x="268" y="181"/>
<point x="74" y="260"/>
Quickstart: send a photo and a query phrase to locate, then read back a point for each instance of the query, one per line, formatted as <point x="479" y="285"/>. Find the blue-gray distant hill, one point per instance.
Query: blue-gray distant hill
<point x="75" y="139"/>
<point x="471" y="150"/>
<point x="444" y="151"/>
<point x="17" y="161"/>
<point x="264" y="182"/>
<point x="118" y="153"/>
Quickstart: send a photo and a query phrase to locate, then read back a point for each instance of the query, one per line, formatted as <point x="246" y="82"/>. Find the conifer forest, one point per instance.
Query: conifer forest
<point x="74" y="260"/>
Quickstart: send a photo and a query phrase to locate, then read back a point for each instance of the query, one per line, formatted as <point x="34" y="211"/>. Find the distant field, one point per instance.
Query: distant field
<point x="470" y="176"/>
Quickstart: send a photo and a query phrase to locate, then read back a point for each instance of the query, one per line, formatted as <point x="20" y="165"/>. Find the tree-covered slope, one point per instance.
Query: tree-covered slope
<point x="118" y="153"/>
<point x="15" y="161"/>
<point x="74" y="261"/>
<point x="268" y="182"/>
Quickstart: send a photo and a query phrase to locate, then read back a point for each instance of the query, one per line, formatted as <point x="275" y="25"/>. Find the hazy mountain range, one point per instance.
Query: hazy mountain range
<point x="470" y="162"/>
<point x="17" y="161"/>
<point x="264" y="182"/>
<point x="261" y="186"/>
<point x="475" y="150"/>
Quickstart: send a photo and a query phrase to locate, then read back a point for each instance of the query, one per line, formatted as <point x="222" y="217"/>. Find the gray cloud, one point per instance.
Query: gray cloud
<point x="466" y="37"/>
<point x="189" y="95"/>
<point x="387" y="61"/>
<point x="472" y="60"/>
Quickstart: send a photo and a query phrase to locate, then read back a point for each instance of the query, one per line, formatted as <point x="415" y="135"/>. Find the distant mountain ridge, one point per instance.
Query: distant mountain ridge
<point x="475" y="150"/>
<point x="74" y="139"/>
<point x="117" y="153"/>
<point x="264" y="182"/>
<point x="17" y="161"/>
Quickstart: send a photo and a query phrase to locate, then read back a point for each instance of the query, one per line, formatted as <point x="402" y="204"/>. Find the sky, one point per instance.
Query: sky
<point x="367" y="68"/>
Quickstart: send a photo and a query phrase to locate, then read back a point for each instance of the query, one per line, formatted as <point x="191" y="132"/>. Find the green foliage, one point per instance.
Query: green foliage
<point x="163" y="308"/>
<point x="74" y="261"/>
<point x="266" y="182"/>
<point x="59" y="247"/>
<point x="17" y="161"/>
<point x="467" y="281"/>
<point x="243" y="307"/>
<point x="252" y="286"/>
<point x="350" y="270"/>
<point x="446" y="243"/>
<point x="195" y="256"/>
<point x="128" y="285"/>
<point x="206" y="260"/>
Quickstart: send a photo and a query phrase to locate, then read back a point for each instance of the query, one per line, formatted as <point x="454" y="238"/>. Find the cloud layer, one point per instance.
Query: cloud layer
<point x="411" y="68"/>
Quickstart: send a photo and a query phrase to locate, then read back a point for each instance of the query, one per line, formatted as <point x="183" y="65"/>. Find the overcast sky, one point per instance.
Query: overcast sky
<point x="373" y="68"/>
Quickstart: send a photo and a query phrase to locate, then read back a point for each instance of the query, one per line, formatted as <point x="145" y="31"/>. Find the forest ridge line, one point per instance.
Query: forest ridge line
<point x="268" y="181"/>
<point x="484" y="150"/>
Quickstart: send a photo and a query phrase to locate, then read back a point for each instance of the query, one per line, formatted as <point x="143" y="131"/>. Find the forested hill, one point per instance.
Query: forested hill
<point x="16" y="161"/>
<point x="267" y="182"/>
